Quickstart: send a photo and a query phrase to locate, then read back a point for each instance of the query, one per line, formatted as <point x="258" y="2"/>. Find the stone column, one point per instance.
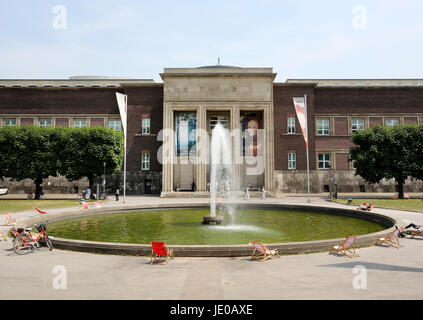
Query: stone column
<point x="236" y="145"/>
<point x="269" y="180"/>
<point x="168" y="150"/>
<point x="202" y="149"/>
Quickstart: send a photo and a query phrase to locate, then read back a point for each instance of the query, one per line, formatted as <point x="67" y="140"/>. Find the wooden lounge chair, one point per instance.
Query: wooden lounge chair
<point x="160" y="250"/>
<point x="391" y="240"/>
<point x="9" y="221"/>
<point x="39" y="211"/>
<point x="261" y="252"/>
<point x="346" y="248"/>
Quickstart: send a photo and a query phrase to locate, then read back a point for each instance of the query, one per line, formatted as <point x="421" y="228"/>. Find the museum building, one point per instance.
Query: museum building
<point x="170" y="124"/>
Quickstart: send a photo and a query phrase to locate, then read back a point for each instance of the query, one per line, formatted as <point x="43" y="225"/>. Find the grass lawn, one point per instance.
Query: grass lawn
<point x="7" y="206"/>
<point x="406" y="204"/>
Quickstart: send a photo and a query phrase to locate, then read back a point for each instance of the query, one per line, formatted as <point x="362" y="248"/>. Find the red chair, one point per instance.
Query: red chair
<point x="160" y="250"/>
<point x="40" y="211"/>
<point x="261" y="252"/>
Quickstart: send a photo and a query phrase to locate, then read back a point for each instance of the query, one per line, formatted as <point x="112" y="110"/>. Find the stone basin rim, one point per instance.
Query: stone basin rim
<point x="235" y="250"/>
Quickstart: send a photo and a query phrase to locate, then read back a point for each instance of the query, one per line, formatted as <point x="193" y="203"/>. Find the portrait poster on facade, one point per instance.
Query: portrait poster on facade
<point x="253" y="142"/>
<point x="185" y="127"/>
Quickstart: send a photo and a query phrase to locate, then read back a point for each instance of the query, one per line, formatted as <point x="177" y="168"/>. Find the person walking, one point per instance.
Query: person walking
<point x="88" y="194"/>
<point x="247" y="193"/>
<point x="263" y="193"/>
<point x="117" y="194"/>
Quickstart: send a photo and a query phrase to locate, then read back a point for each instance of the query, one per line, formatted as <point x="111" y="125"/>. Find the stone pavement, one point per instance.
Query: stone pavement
<point x="391" y="273"/>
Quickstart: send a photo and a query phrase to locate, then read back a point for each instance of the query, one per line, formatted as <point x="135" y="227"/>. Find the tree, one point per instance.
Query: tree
<point x="85" y="151"/>
<point x="29" y="153"/>
<point x="388" y="153"/>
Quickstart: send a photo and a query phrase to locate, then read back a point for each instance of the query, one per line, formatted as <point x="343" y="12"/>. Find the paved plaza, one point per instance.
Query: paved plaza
<point x="390" y="273"/>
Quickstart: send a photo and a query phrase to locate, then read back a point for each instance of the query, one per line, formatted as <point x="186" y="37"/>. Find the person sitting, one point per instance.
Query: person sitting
<point x="418" y="229"/>
<point x="29" y="196"/>
<point x="366" y="207"/>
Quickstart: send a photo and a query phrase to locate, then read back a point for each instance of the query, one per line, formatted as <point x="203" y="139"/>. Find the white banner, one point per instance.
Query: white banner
<point x="122" y="103"/>
<point x="301" y="109"/>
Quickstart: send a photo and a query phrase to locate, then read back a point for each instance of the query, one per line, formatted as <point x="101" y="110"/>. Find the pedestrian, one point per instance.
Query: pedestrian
<point x="88" y="194"/>
<point x="117" y="194"/>
<point x="193" y="186"/>
<point x="263" y="193"/>
<point x="247" y="194"/>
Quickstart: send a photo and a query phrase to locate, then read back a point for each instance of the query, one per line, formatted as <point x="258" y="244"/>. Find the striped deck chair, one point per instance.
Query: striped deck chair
<point x="84" y="205"/>
<point x="96" y="204"/>
<point x="346" y="248"/>
<point x="9" y="221"/>
<point x="261" y="252"/>
<point x="160" y="250"/>
<point x="391" y="240"/>
<point x="39" y="211"/>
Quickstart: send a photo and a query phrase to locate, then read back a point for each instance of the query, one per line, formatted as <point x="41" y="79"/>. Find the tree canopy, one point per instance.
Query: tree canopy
<point x="37" y="152"/>
<point x="388" y="153"/>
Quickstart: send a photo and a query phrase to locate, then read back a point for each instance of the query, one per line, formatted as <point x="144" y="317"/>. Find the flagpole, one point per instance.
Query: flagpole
<point x="308" y="161"/>
<point x="124" y="159"/>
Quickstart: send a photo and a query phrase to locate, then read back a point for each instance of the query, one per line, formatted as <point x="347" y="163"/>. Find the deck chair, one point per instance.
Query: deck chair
<point x="84" y="205"/>
<point x="414" y="233"/>
<point x="39" y="211"/>
<point x="391" y="240"/>
<point x="261" y="252"/>
<point x="96" y="204"/>
<point x="160" y="250"/>
<point x="9" y="221"/>
<point x="3" y="236"/>
<point x="346" y="248"/>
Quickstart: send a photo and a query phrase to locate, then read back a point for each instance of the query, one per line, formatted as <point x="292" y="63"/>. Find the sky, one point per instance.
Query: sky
<point x="300" y="39"/>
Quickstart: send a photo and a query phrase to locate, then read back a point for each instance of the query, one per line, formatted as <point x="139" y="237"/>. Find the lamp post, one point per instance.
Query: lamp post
<point x="104" y="180"/>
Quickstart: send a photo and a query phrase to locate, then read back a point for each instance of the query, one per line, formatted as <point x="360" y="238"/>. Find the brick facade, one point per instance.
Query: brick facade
<point x="337" y="104"/>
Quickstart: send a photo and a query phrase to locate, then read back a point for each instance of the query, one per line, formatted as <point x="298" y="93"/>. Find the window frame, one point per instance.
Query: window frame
<point x="357" y="129"/>
<point x="9" y="125"/>
<point x="392" y="119"/>
<point x="44" y="124"/>
<point x="146" y="129"/>
<point x="292" y="163"/>
<point x="291" y="125"/>
<point x="324" y="161"/>
<point x="323" y="129"/>
<point x="145" y="161"/>
<point x="114" y="127"/>
<point x="79" y="126"/>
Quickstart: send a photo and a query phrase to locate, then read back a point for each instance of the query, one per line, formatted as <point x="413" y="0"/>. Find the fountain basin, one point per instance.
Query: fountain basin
<point x="223" y="250"/>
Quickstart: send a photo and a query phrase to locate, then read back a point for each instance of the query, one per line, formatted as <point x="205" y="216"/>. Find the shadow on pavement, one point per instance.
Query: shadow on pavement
<point x="373" y="266"/>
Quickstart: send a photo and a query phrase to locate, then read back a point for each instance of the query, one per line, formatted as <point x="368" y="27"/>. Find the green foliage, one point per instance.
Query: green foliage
<point x="388" y="153"/>
<point x="37" y="152"/>
<point x="87" y="149"/>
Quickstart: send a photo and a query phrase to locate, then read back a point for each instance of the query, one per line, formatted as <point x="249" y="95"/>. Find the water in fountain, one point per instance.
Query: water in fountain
<point x="220" y="167"/>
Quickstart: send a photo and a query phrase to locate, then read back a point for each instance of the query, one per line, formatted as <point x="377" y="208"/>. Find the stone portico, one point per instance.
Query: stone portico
<point x="210" y="92"/>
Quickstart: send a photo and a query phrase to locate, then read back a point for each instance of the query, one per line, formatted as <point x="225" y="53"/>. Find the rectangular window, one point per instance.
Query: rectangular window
<point x="9" y="122"/>
<point x="292" y="163"/>
<point x="357" y="125"/>
<point x="392" y="122"/>
<point x="323" y="127"/>
<point x="79" y="123"/>
<point x="324" y="161"/>
<point x="145" y="161"/>
<point x="44" y="122"/>
<point x="115" y="125"/>
<point x="214" y="120"/>
<point x="291" y="125"/>
<point x="146" y="126"/>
